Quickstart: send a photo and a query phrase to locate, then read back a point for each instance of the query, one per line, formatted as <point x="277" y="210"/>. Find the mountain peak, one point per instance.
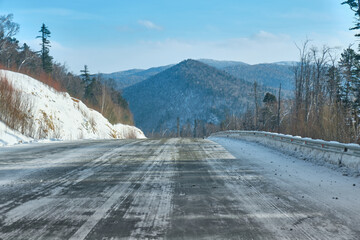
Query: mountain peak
<point x="189" y="90"/>
<point x="191" y="63"/>
<point x="222" y="64"/>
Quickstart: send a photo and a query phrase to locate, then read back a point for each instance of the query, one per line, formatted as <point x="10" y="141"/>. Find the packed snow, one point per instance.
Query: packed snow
<point x="328" y="153"/>
<point x="11" y="137"/>
<point x="59" y="116"/>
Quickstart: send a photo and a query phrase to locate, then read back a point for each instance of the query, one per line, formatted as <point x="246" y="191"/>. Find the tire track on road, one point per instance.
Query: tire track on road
<point x="144" y="207"/>
<point x="47" y="199"/>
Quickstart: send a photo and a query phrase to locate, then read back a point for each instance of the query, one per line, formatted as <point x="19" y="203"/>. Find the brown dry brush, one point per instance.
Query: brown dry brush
<point x="15" y="109"/>
<point x="110" y="110"/>
<point x="41" y="76"/>
<point x="331" y="122"/>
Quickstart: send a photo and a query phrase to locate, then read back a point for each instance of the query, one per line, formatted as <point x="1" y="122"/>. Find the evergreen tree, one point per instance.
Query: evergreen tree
<point x="268" y="114"/>
<point x="349" y="91"/>
<point x="269" y="98"/>
<point x="348" y="65"/>
<point x="25" y="55"/>
<point x="93" y="91"/>
<point x="355" y="6"/>
<point x="45" y="48"/>
<point x="85" y="75"/>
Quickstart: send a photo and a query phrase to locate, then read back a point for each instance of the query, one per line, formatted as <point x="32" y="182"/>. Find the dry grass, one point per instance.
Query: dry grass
<point x="113" y="134"/>
<point x="92" y="123"/>
<point x="131" y="135"/>
<point x="15" y="110"/>
<point x="47" y="128"/>
<point x="42" y="77"/>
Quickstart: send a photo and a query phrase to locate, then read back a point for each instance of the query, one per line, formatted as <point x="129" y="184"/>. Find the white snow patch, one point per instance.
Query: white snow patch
<point x="332" y="155"/>
<point x="11" y="137"/>
<point x="59" y="116"/>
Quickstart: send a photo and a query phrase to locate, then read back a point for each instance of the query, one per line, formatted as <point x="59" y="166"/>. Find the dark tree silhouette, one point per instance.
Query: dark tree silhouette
<point x="45" y="48"/>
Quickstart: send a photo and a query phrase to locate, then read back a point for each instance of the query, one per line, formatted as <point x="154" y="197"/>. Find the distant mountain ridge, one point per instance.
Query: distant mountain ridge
<point x="267" y="74"/>
<point x="221" y="64"/>
<point x="189" y="90"/>
<point x="130" y="77"/>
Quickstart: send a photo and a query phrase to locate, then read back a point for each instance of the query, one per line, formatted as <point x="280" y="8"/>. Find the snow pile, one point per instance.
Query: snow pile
<point x="59" y="116"/>
<point x="348" y="162"/>
<point x="11" y="137"/>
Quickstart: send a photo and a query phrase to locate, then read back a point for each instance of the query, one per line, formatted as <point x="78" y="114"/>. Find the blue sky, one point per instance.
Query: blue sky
<point x="112" y="35"/>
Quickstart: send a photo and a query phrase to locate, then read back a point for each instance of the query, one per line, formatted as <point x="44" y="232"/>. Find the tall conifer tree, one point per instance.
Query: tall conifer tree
<point x="45" y="48"/>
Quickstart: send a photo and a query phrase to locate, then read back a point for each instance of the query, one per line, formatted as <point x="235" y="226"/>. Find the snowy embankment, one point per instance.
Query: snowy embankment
<point x="335" y="154"/>
<point x="56" y="115"/>
<point x="11" y="137"/>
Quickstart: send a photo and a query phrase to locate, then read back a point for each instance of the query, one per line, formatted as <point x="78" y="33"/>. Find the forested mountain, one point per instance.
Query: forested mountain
<point x="267" y="74"/>
<point x="127" y="78"/>
<point x="221" y="64"/>
<point x="190" y="90"/>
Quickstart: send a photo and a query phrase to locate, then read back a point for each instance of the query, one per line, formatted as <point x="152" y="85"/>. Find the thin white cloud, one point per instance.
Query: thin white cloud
<point x="150" y="25"/>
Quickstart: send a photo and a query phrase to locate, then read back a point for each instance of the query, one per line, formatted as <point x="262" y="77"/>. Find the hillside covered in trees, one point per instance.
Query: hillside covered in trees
<point x="269" y="75"/>
<point x="190" y="91"/>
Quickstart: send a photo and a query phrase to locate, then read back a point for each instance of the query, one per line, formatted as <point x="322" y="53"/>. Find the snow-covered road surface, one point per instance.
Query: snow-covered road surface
<point x="171" y="188"/>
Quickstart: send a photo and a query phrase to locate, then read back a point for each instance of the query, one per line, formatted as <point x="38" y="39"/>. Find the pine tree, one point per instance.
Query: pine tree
<point x="26" y="55"/>
<point x="45" y="48"/>
<point x="354" y="86"/>
<point x="355" y="7"/>
<point x="85" y="75"/>
<point x="348" y="65"/>
<point x="269" y="98"/>
<point x="349" y="90"/>
<point x="93" y="92"/>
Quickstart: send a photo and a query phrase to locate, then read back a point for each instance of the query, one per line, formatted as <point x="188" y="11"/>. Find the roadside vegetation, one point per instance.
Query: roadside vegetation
<point x="326" y="101"/>
<point x="15" y="109"/>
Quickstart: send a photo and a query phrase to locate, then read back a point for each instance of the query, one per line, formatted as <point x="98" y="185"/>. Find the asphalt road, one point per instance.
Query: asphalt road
<point x="169" y="188"/>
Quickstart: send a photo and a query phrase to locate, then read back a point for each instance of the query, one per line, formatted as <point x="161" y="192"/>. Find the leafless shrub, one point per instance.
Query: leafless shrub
<point x="131" y="135"/>
<point x="47" y="127"/>
<point x="92" y="124"/>
<point x="15" y="109"/>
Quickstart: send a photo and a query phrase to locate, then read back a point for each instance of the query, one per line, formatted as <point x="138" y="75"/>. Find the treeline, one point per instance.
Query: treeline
<point x="326" y="101"/>
<point x="196" y="129"/>
<point x="95" y="93"/>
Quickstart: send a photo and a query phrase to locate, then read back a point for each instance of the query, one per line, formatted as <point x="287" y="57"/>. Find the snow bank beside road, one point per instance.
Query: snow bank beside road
<point x="11" y="137"/>
<point x="58" y="115"/>
<point x="345" y="156"/>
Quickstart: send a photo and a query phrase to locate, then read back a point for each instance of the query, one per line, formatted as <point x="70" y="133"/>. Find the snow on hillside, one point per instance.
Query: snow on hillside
<point x="58" y="115"/>
<point x="11" y="137"/>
